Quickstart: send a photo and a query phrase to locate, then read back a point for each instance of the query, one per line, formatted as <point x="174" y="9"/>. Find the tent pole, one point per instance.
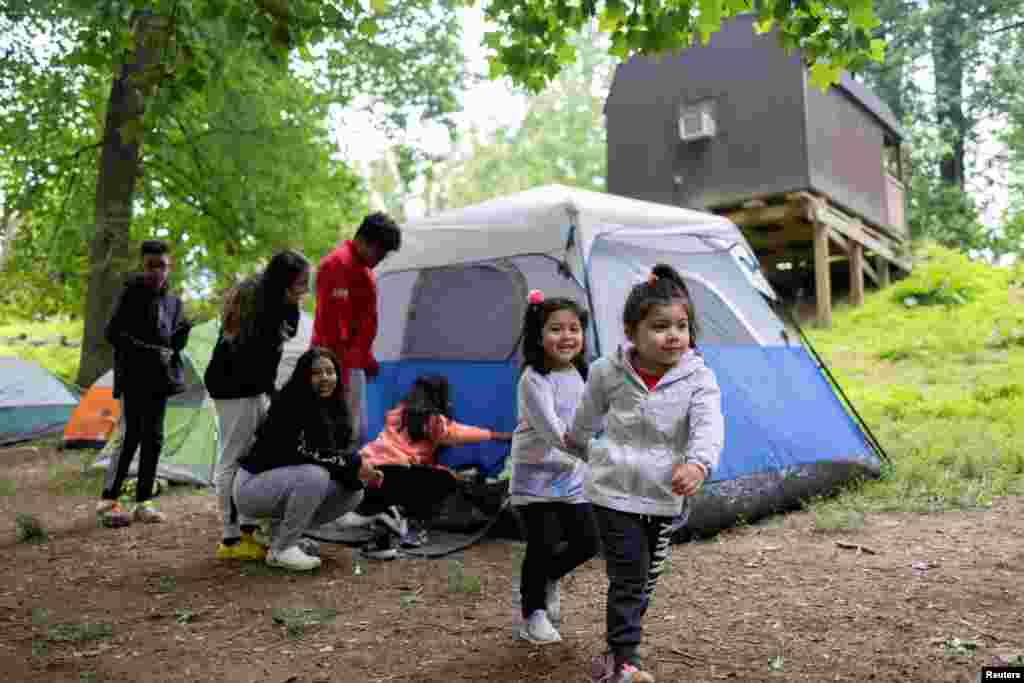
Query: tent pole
<point x="586" y="279"/>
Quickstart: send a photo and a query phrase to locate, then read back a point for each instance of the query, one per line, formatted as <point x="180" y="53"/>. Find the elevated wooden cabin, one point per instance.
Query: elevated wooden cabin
<point x="813" y="178"/>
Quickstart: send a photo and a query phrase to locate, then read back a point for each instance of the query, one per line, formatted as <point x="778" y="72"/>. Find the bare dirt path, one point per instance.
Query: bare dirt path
<point x="904" y="598"/>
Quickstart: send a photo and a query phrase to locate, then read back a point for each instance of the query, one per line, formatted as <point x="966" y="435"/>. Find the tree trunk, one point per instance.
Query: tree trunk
<point x="111" y="252"/>
<point x="948" y="29"/>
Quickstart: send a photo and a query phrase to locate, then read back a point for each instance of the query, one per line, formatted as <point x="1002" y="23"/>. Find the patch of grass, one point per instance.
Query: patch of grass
<point x="77" y="633"/>
<point x="60" y="360"/>
<point x="8" y="487"/>
<point x="75" y="477"/>
<point x="29" y="529"/>
<point x="828" y="518"/>
<point x="938" y="385"/>
<point x="167" y="584"/>
<point x="297" y="620"/>
<point x="40" y="648"/>
<point x="459" y="581"/>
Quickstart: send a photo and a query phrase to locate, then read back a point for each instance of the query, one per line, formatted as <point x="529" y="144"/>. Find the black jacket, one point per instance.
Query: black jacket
<point x="145" y="323"/>
<point x="241" y="370"/>
<point x="298" y="435"/>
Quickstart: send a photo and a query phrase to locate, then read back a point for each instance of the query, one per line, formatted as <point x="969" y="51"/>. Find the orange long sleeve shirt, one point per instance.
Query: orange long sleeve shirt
<point x="393" y="446"/>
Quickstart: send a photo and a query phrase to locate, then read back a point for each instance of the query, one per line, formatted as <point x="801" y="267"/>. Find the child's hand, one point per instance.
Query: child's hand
<point x="370" y="475"/>
<point x="571" y="443"/>
<point x="686" y="479"/>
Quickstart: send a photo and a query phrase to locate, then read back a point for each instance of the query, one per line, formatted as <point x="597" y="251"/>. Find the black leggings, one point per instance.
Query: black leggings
<point x="547" y="558"/>
<point x="420" y="496"/>
<point x="636" y="548"/>
<point x="144" y="430"/>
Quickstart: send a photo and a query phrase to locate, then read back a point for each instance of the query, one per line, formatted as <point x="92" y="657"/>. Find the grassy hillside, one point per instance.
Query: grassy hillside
<point x="935" y="365"/>
<point x="51" y="354"/>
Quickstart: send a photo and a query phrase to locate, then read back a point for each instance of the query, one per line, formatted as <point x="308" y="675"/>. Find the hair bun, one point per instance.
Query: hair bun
<point x="535" y="297"/>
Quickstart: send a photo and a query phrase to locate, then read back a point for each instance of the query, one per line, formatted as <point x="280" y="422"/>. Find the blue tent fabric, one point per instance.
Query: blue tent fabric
<point x="780" y="411"/>
<point x="33" y="403"/>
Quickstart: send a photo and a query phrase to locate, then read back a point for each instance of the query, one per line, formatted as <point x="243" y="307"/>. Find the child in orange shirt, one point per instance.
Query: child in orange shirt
<point x="413" y="432"/>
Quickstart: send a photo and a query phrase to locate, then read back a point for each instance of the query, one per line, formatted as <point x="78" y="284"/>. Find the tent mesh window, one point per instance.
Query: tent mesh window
<point x="465" y="313"/>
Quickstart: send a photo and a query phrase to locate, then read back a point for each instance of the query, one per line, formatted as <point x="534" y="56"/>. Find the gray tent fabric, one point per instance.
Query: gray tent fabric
<point x="33" y="402"/>
<point x="438" y="326"/>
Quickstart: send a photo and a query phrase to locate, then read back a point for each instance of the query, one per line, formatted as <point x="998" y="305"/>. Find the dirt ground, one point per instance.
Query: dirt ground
<point x="917" y="598"/>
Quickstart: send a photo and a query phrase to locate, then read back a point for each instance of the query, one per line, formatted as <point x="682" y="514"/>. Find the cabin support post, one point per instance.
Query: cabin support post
<point x="882" y="267"/>
<point x="822" y="275"/>
<point x="856" y="273"/>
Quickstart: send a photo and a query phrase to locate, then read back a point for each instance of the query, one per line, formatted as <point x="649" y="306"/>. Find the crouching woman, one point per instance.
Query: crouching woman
<point x="298" y="472"/>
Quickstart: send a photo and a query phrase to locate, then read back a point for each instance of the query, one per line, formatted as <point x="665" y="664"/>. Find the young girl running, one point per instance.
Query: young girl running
<point x="413" y="432"/>
<point x="298" y="472"/>
<point x="547" y="482"/>
<point x="662" y="439"/>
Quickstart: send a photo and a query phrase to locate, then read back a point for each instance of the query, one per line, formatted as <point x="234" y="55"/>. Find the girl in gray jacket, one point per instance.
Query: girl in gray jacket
<point x="663" y="433"/>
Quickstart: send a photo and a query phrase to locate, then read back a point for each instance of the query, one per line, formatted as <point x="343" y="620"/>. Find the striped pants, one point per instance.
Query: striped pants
<point x="636" y="548"/>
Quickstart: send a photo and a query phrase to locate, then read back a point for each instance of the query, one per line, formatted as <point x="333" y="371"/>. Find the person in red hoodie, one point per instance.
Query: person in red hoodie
<point x="346" y="309"/>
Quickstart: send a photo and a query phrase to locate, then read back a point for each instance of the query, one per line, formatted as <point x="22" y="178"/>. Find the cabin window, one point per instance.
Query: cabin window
<point x="893" y="160"/>
<point x="697" y="120"/>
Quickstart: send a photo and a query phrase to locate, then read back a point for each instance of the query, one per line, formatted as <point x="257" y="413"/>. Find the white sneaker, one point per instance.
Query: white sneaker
<point x="553" y="602"/>
<point x="292" y="558"/>
<point x="538" y="629"/>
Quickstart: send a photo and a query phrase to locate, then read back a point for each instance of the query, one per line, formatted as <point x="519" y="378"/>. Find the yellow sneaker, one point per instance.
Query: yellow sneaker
<point x="245" y="550"/>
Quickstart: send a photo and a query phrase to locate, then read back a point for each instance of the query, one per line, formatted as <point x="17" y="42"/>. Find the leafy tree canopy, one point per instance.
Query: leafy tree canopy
<point x="533" y="40"/>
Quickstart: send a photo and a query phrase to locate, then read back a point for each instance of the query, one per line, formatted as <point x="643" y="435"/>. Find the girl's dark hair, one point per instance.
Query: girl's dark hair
<point x="429" y="396"/>
<point x="268" y="289"/>
<point x="327" y="418"/>
<point x="663" y="288"/>
<point x="533" y="333"/>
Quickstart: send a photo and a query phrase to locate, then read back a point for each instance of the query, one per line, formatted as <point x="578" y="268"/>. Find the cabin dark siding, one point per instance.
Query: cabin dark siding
<point x="845" y="153"/>
<point x="760" y="142"/>
<point x="641" y="133"/>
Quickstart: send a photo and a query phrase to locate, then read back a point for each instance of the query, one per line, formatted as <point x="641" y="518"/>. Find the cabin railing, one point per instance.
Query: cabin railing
<point x="895" y="202"/>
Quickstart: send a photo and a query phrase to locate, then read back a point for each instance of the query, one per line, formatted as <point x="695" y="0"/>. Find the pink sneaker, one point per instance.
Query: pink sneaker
<point x="603" y="669"/>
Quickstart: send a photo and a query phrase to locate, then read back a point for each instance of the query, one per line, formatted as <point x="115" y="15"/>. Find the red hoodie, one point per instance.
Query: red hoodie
<point x="346" y="309"/>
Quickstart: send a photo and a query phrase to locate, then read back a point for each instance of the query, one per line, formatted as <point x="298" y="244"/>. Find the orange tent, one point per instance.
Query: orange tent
<point x="96" y="417"/>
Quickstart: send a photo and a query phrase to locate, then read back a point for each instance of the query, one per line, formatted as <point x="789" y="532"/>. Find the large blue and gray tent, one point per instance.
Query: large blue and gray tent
<point x="452" y="302"/>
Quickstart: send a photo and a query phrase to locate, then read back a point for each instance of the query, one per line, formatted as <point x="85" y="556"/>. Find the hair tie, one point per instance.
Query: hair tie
<point x="652" y="279"/>
<point x="535" y="297"/>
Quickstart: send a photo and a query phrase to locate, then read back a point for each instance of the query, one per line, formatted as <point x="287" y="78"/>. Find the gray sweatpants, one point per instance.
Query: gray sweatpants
<point x="296" y="498"/>
<point x="238" y="419"/>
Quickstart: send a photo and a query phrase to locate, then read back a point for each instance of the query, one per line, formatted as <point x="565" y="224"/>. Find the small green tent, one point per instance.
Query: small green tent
<point x="190" y="428"/>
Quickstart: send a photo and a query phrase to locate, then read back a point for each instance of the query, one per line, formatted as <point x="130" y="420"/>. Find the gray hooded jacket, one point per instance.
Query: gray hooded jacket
<point x="647" y="432"/>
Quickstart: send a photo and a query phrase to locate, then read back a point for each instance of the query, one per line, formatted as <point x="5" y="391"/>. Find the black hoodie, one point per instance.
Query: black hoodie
<point x="145" y="323"/>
